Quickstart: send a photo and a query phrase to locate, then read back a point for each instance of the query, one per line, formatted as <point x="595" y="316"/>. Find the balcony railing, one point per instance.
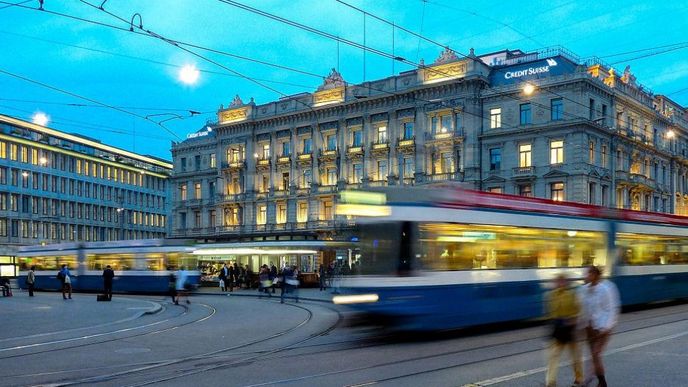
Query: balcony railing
<point x="230" y="197"/>
<point x="523" y="171"/>
<point x="441" y="176"/>
<point x="235" y="164"/>
<point x="381" y="145"/>
<point x="409" y="142"/>
<point x="355" y="150"/>
<point x="305" y="156"/>
<point x="284" y="159"/>
<point x="263" y="162"/>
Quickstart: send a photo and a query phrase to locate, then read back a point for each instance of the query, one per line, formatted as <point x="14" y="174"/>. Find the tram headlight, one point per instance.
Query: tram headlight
<point x="355" y="299"/>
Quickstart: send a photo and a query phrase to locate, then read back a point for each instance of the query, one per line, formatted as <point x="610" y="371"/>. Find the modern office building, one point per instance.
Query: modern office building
<point x="58" y="187"/>
<point x="544" y="124"/>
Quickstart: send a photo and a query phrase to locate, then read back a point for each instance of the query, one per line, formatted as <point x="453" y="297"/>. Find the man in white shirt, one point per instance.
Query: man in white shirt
<point x="601" y="306"/>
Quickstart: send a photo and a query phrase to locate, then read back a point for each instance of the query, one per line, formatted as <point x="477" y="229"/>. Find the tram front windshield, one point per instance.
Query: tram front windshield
<point x="385" y="248"/>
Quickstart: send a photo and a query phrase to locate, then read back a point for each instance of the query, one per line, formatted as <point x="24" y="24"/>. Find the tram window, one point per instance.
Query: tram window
<point x="118" y="262"/>
<point x="381" y="248"/>
<point x="447" y="246"/>
<point x="47" y="262"/>
<point x="176" y="260"/>
<point x="640" y="249"/>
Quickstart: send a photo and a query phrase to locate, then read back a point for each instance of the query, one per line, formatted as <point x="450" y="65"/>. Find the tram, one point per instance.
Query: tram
<point x="141" y="266"/>
<point x="451" y="258"/>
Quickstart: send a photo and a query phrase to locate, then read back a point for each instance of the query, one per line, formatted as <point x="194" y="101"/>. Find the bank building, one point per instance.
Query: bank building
<point x="544" y="124"/>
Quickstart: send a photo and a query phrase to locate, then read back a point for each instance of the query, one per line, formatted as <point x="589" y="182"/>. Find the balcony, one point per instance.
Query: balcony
<point x="377" y="183"/>
<point x="304" y="158"/>
<point x="327" y="156"/>
<point x="284" y="160"/>
<point x="355" y="152"/>
<point x="263" y="163"/>
<point x="327" y="189"/>
<point x="280" y="193"/>
<point x="444" y="138"/>
<point x="230" y="198"/>
<point x="523" y="172"/>
<point x="380" y="148"/>
<point x="638" y="178"/>
<point x="407" y="145"/>
<point x="235" y="165"/>
<point x="441" y="177"/>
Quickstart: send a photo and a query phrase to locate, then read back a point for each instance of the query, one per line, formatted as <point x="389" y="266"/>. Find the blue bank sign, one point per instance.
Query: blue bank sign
<point x="533" y="70"/>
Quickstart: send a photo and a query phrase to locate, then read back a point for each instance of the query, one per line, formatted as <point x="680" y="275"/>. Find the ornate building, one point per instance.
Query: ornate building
<point x="543" y="124"/>
<point x="58" y="187"/>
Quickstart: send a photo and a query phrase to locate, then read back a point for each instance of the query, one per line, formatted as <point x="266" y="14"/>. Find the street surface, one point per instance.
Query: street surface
<point x="241" y="340"/>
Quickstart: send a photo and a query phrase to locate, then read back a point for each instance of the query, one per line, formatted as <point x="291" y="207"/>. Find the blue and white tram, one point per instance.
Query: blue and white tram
<point x="456" y="263"/>
<point x="141" y="266"/>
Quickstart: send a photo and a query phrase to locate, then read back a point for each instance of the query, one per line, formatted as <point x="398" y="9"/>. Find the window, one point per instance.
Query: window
<point x="591" y="109"/>
<point x="262" y="214"/>
<point x="409" y="168"/>
<point x="556" y="152"/>
<point x="331" y="178"/>
<point x="447" y="162"/>
<point x="495" y="159"/>
<point x="603" y="156"/>
<point x="302" y="214"/>
<point x="197" y="190"/>
<point x="285" y="181"/>
<point x="331" y="142"/>
<point x="182" y="192"/>
<point x="382" y="134"/>
<point x="281" y="213"/>
<point x="197" y="219"/>
<point x="591" y="193"/>
<point x="286" y="149"/>
<point x="495" y="118"/>
<point x="357" y="138"/>
<point x="557" y="109"/>
<point x="232" y="216"/>
<point x="382" y="170"/>
<point x="495" y="190"/>
<point x="557" y="191"/>
<point x="526" y="114"/>
<point x="13" y="152"/>
<point x="264" y="183"/>
<point x="24" y="154"/>
<point x="266" y="151"/>
<point x="446" y="123"/>
<point x="524" y="156"/>
<point x="197" y="161"/>
<point x="211" y="189"/>
<point x="234" y="155"/>
<point x="213" y="161"/>
<point x="525" y="190"/>
<point x="408" y="130"/>
<point x="307" y="142"/>
<point x="433" y="124"/>
<point x="356" y="173"/>
<point x="328" y="212"/>
<point x="182" y="161"/>
<point x="307" y="178"/>
<point x="3" y="150"/>
<point x="591" y="152"/>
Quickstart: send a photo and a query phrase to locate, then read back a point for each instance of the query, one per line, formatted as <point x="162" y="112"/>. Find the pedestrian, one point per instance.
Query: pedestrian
<point x="172" y="285"/>
<point x="31" y="280"/>
<point x="563" y="310"/>
<point x="273" y="276"/>
<point x="601" y="306"/>
<point x="65" y="278"/>
<point x="108" y="276"/>
<point x="233" y="276"/>
<point x="290" y="282"/>
<point x="224" y="277"/>
<point x="330" y="274"/>
<point x="322" y="277"/>
<point x="182" y="285"/>
<point x="264" y="281"/>
<point x="5" y="285"/>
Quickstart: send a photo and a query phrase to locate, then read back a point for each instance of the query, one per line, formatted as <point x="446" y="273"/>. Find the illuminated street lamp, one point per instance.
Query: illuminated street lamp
<point x="670" y="134"/>
<point x="189" y="74"/>
<point x="43" y="161"/>
<point x="528" y="89"/>
<point x="40" y="119"/>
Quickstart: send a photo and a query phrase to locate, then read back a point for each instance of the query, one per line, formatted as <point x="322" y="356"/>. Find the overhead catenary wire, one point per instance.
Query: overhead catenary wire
<point x="54" y="88"/>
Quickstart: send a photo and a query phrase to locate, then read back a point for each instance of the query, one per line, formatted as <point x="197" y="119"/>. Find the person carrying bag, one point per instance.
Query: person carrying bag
<point x="563" y="310"/>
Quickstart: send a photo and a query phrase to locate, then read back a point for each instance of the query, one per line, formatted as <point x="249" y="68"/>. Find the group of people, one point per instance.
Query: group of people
<point x="588" y="314"/>
<point x="233" y="275"/>
<point x="269" y="279"/>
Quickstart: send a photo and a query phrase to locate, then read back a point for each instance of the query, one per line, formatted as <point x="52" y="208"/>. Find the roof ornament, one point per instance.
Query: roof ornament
<point x="446" y="56"/>
<point x="627" y="77"/>
<point x="236" y="102"/>
<point x="332" y="81"/>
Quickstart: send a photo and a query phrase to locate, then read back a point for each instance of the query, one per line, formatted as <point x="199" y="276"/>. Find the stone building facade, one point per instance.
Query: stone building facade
<point x="544" y="124"/>
<point x="59" y="187"/>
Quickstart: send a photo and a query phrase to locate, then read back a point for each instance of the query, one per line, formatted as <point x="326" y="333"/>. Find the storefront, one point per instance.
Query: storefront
<point x="307" y="256"/>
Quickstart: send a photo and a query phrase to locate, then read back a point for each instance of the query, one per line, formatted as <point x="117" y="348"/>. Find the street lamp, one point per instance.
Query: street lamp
<point x="40" y="118"/>
<point x="189" y="74"/>
<point x="528" y="89"/>
<point x="670" y="134"/>
<point x="43" y="161"/>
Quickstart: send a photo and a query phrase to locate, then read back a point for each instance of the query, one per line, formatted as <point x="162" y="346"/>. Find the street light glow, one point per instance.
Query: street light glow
<point x="43" y="161"/>
<point x="528" y="89"/>
<point x="670" y="134"/>
<point x="189" y="74"/>
<point x="41" y="119"/>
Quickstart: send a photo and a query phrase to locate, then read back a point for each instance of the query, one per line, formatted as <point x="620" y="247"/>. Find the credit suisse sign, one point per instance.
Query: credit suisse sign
<point x="533" y="70"/>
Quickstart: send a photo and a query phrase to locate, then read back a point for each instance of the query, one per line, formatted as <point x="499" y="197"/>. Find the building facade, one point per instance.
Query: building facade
<point x="544" y="124"/>
<point x="58" y="187"/>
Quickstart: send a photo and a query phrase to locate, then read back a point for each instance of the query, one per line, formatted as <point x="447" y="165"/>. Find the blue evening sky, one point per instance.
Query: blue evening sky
<point x="139" y="74"/>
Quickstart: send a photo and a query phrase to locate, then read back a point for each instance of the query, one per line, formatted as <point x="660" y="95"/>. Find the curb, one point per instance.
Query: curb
<point x="258" y="296"/>
<point x="157" y="308"/>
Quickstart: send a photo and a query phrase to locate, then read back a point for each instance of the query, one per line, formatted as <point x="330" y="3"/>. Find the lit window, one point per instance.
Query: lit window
<point x="262" y="214"/>
<point x="197" y="190"/>
<point x="495" y="118"/>
<point x="281" y="213"/>
<point x="357" y="173"/>
<point x="182" y="192"/>
<point x="447" y="162"/>
<point x="409" y="168"/>
<point x="557" y="191"/>
<point x="591" y="152"/>
<point x="524" y="156"/>
<point x="266" y="151"/>
<point x="381" y="134"/>
<point x="213" y="161"/>
<point x="331" y="176"/>
<point x="525" y="190"/>
<point x="382" y="170"/>
<point x="446" y="121"/>
<point x="302" y="215"/>
<point x="556" y="152"/>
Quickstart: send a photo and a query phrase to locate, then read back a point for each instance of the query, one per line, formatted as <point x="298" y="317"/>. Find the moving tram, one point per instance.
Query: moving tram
<point x="141" y="266"/>
<point x="459" y="258"/>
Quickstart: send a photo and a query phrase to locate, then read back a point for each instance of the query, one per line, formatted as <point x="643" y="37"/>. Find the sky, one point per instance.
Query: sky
<point x="53" y="58"/>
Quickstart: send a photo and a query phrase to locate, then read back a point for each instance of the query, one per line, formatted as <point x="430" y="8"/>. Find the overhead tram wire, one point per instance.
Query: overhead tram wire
<point x="10" y="5"/>
<point x="45" y="85"/>
<point x="99" y="106"/>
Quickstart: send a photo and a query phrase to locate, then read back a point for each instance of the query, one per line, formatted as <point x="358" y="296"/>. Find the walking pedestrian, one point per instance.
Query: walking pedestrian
<point x="290" y="283"/>
<point x="31" y="280"/>
<point x="264" y="281"/>
<point x="322" y="277"/>
<point x="108" y="276"/>
<point x="233" y="276"/>
<point x="601" y="306"/>
<point x="273" y="276"/>
<point x="182" y="285"/>
<point x="224" y="277"/>
<point x="563" y="310"/>
<point x="172" y="285"/>
<point x="66" y="279"/>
